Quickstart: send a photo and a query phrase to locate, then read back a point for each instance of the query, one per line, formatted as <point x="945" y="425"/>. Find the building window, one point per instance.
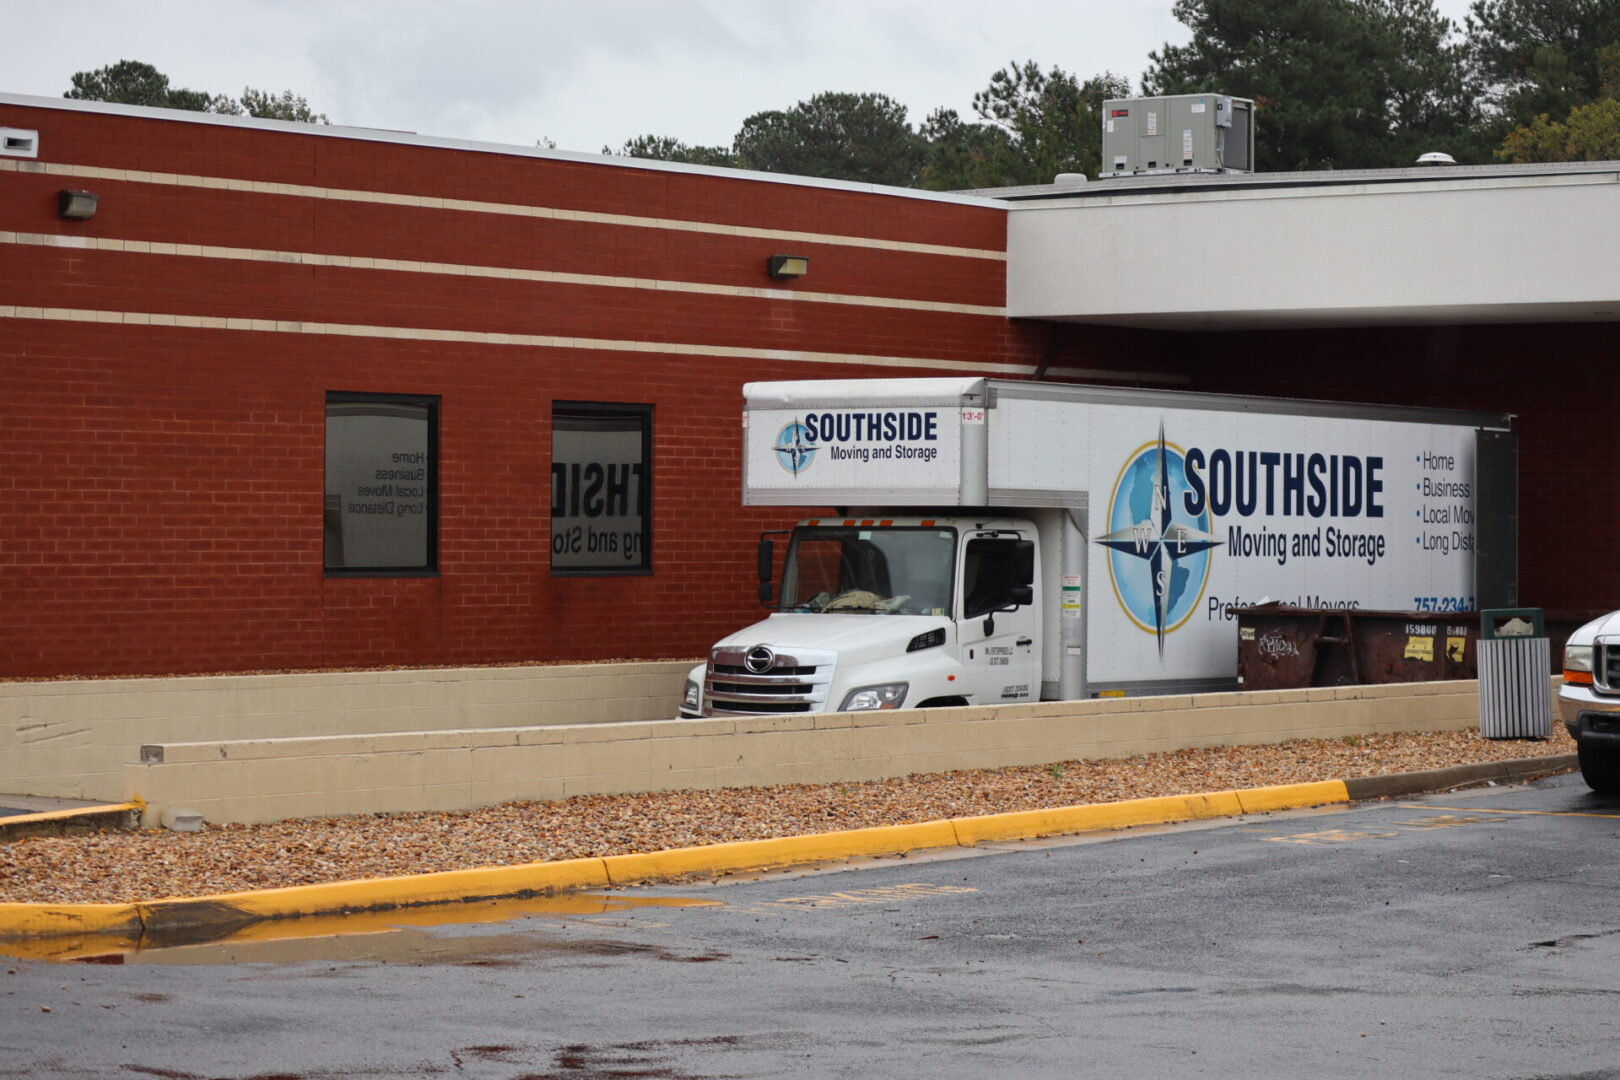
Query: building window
<point x="601" y="488"/>
<point x="382" y="479"/>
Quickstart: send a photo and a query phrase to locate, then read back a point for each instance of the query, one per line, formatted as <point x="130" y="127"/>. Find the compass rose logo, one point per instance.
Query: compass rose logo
<point x="1159" y="555"/>
<point x="795" y="450"/>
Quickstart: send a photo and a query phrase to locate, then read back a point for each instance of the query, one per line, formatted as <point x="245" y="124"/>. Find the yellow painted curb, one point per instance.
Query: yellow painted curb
<point x="1293" y="796"/>
<point x="54" y="920"/>
<point x="35" y="921"/>
<point x="788" y="851"/>
<point x="450" y="886"/>
<point x="1095" y="817"/>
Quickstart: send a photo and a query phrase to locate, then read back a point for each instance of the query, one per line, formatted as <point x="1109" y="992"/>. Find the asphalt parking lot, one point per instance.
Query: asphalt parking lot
<point x="1472" y="934"/>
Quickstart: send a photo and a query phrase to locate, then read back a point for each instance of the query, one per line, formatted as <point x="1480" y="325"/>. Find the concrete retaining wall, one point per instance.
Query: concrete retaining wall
<point x="264" y="779"/>
<point x="72" y="738"/>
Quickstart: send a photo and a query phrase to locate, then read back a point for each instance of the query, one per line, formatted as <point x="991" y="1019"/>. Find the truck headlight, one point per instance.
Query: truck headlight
<point x="870" y="698"/>
<point x="1578" y="665"/>
<point x="693" y="697"/>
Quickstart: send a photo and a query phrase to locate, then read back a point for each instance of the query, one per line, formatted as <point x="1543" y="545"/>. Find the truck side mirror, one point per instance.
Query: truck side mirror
<point x="1024" y="563"/>
<point x="1021" y="596"/>
<point x="766" y="557"/>
<point x="765" y="593"/>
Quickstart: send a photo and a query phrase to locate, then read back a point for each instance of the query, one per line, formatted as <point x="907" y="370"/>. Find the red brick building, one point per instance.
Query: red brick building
<point x="300" y="397"/>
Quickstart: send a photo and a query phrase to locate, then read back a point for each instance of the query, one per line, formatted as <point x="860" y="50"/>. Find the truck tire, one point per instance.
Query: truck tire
<point x="1600" y="768"/>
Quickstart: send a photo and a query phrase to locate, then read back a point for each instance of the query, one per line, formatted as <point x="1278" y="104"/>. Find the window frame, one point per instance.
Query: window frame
<point x="433" y="404"/>
<point x="995" y="543"/>
<point x="643" y="414"/>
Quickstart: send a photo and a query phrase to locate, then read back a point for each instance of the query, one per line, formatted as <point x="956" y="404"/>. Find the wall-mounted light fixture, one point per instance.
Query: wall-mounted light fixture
<point x="76" y="205"/>
<point x="788" y="266"/>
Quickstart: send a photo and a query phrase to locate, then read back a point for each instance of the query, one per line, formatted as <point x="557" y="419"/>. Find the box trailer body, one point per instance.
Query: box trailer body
<point x="1140" y="518"/>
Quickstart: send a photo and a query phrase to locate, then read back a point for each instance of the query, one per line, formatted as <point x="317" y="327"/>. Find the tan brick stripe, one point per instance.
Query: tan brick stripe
<point x="308" y="191"/>
<point x="540" y="341"/>
<point x="359" y="262"/>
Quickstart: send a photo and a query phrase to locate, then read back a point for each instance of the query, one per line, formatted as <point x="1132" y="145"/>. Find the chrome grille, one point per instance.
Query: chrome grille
<point x="1606" y="666"/>
<point x="735" y="669"/>
<point x="798" y="682"/>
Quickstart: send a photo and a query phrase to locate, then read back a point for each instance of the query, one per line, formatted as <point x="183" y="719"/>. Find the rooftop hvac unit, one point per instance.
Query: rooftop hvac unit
<point x="1187" y="133"/>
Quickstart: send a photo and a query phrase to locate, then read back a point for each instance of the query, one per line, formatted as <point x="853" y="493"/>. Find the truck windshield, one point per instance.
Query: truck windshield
<point x="893" y="570"/>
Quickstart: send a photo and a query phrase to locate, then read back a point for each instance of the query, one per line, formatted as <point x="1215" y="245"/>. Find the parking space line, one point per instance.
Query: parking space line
<point x="1331" y="836"/>
<point x="854" y="898"/>
<point x="1492" y="810"/>
<point x="1447" y="821"/>
<point x="1395" y="829"/>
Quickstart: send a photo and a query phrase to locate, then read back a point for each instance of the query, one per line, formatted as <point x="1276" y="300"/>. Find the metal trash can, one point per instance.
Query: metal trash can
<point x="1515" y="667"/>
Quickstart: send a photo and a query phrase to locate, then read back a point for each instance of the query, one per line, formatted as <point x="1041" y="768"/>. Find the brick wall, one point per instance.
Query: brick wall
<point x="163" y="484"/>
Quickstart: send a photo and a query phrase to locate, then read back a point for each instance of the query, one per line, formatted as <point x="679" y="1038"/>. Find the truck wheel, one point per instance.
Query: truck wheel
<point x="1600" y="768"/>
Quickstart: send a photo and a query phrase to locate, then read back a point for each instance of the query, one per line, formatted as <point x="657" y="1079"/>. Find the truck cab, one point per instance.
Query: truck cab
<point x="885" y="613"/>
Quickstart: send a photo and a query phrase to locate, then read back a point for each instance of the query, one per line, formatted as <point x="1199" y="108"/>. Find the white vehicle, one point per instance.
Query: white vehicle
<point x="1003" y="541"/>
<point x="1589" y="700"/>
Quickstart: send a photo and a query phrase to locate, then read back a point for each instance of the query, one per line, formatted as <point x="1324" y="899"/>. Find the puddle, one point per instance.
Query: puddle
<point x="377" y="936"/>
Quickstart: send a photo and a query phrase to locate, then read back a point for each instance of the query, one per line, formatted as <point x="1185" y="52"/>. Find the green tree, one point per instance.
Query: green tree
<point x="283" y="106"/>
<point x="963" y="155"/>
<point x="666" y="148"/>
<point x="130" y="82"/>
<point x="1589" y="133"/>
<point x="1052" y="122"/>
<point x="862" y="137"/>
<point x="1544" y="57"/>
<point x="1336" y="83"/>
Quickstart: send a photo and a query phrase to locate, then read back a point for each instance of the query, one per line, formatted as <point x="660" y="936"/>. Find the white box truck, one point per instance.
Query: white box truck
<point x="1001" y="541"/>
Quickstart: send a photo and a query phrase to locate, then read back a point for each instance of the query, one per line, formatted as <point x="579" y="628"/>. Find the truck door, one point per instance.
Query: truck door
<point x="999" y="641"/>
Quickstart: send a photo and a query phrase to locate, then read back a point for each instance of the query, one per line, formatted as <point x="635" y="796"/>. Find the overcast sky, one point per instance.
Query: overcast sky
<point x="583" y="73"/>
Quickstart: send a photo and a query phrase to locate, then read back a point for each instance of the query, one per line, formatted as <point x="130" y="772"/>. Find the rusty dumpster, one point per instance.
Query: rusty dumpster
<point x="1287" y="648"/>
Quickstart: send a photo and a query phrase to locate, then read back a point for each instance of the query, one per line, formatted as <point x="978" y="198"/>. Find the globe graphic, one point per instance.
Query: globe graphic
<point x="1133" y="507"/>
<point x="794" y="450"/>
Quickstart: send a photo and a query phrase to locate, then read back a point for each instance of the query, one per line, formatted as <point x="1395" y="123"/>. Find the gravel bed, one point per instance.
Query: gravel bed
<point x="148" y="865"/>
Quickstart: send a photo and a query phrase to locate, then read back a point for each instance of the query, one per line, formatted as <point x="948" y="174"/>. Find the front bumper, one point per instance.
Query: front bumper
<point x="1590" y="717"/>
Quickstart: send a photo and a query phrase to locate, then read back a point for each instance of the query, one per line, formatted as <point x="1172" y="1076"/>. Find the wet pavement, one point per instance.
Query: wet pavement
<point x="379" y="936"/>
<point x="17" y="805"/>
<point x="1474" y="934"/>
